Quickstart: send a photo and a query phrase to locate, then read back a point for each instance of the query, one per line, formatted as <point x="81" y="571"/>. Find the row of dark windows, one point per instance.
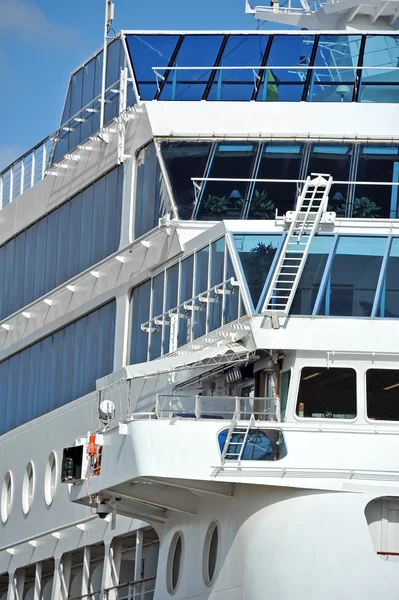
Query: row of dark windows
<point x="331" y="393"/>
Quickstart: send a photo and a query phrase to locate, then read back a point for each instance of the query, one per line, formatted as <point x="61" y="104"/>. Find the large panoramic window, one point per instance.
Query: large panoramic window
<point x="327" y="393"/>
<point x="66" y="242"/>
<point x="278" y="161"/>
<point x="388" y="302"/>
<point x="336" y="160"/>
<point x="184" y="160"/>
<point x="238" y="83"/>
<point x="377" y="163"/>
<point x="60" y="368"/>
<point x="382" y="387"/>
<point x="336" y="59"/>
<point x="379" y="82"/>
<point x="226" y="199"/>
<point x="353" y="279"/>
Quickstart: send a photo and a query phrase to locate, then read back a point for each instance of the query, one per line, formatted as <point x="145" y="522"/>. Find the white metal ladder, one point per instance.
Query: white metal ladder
<point x="241" y="432"/>
<point x="311" y="205"/>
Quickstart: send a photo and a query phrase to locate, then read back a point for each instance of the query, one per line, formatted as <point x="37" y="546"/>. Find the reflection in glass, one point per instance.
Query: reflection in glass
<point x="157" y="309"/>
<point x="308" y="288"/>
<point x="151" y="194"/>
<point x="286" y="85"/>
<point x="186" y="293"/>
<point x="226" y="199"/>
<point x="382" y="394"/>
<point x="336" y="160"/>
<point x="257" y="254"/>
<point x="380" y="84"/>
<point x="354" y="275"/>
<point x="184" y="160"/>
<point x="377" y="163"/>
<point x="238" y="84"/>
<point x="327" y="393"/>
<point x="231" y="296"/>
<point x="340" y="54"/>
<point x="200" y="285"/>
<point x="278" y="161"/>
<point x="216" y="277"/>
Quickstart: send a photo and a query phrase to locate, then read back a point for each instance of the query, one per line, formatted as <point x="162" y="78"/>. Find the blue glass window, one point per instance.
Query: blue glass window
<point x="379" y="82"/>
<point x="309" y="284"/>
<point x="39" y="378"/>
<point x="70" y="239"/>
<point x="189" y="83"/>
<point x="336" y="160"/>
<point x="257" y="254"/>
<point x="238" y="84"/>
<point x="232" y="295"/>
<point x="261" y="444"/>
<point x="147" y="51"/>
<point x="200" y="285"/>
<point x="151" y="195"/>
<point x="226" y="199"/>
<point x="184" y="160"/>
<point x="286" y="85"/>
<point x="216" y="277"/>
<point x="389" y="299"/>
<point x="140" y="313"/>
<point x="352" y="283"/>
<point x="278" y="161"/>
<point x="186" y="293"/>
<point x="338" y="55"/>
<point x="377" y="163"/>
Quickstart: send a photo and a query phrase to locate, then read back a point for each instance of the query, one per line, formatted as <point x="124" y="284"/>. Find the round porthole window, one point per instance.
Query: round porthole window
<point x="173" y="567"/>
<point x="6" y="497"/>
<point x="28" y="488"/>
<point x="210" y="553"/>
<point x="50" y="479"/>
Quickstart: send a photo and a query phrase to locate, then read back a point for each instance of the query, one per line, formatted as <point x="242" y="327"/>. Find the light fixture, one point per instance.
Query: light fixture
<point x="311" y="376"/>
<point x="338" y="197"/>
<point x="390" y="387"/>
<point x="344" y="91"/>
<point x="235" y="195"/>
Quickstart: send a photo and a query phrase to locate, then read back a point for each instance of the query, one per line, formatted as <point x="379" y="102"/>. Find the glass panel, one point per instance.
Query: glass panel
<point x="389" y="300"/>
<point x="354" y="275"/>
<point x="327" y="393"/>
<point x="157" y="309"/>
<point x="231" y="294"/>
<point x="309" y="284"/>
<point x="256" y="253"/>
<point x="200" y="285"/>
<point x="379" y="82"/>
<point x="336" y="160"/>
<point x="112" y="77"/>
<point x="148" y="51"/>
<point x="377" y="163"/>
<point x="286" y="85"/>
<point x="186" y="293"/>
<point x="216" y="276"/>
<point x="279" y="161"/>
<point x="148" y="191"/>
<point x="184" y="160"/>
<point x="76" y="105"/>
<point x="335" y="83"/>
<point x="172" y="282"/>
<point x="382" y="394"/>
<point x="240" y="51"/>
<point x="225" y="199"/>
<point x="189" y="84"/>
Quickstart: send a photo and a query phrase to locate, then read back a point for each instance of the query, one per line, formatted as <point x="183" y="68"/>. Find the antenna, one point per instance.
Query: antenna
<point x="109" y="17"/>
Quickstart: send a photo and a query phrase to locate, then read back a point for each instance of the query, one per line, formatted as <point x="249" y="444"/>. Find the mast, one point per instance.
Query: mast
<point x="109" y="16"/>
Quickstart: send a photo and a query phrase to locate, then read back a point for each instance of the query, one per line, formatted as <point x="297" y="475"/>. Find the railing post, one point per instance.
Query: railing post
<point x="157" y="406"/>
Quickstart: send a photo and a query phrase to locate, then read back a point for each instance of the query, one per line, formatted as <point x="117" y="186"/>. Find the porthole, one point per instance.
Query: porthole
<point x="6" y="497"/>
<point x="50" y="479"/>
<point x="173" y="567"/>
<point x="28" y="488"/>
<point x="210" y="553"/>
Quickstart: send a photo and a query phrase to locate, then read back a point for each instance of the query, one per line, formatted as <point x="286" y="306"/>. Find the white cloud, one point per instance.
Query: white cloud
<point x="24" y="18"/>
<point x="8" y="153"/>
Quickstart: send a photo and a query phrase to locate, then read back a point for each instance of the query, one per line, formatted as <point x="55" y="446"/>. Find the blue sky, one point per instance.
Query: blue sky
<point x="42" y="41"/>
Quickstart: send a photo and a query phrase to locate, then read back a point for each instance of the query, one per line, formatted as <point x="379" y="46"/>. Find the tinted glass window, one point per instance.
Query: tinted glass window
<point x="377" y="163"/>
<point x="261" y="444"/>
<point x="383" y="394"/>
<point x="389" y="299"/>
<point x="151" y="195"/>
<point x="327" y="393"/>
<point x="380" y="85"/>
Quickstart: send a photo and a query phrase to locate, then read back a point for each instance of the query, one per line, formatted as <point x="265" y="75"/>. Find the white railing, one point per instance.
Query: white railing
<point x="141" y="589"/>
<point x="216" y="407"/>
<point x="30" y="168"/>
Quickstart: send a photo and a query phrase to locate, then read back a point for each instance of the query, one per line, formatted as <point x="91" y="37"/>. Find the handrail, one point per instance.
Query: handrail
<point x="274" y="68"/>
<point x="115" y="587"/>
<point x="388" y="553"/>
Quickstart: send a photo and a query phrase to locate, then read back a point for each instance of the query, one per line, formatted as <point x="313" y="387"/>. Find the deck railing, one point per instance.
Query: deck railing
<point x="141" y="589"/>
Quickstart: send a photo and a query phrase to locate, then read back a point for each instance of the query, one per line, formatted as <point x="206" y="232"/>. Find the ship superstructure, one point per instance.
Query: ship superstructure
<point x="199" y="319"/>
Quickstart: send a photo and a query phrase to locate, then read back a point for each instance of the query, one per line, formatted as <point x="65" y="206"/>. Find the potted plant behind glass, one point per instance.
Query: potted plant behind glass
<point x="213" y="206"/>
<point x="261" y="207"/>
<point x="364" y="208"/>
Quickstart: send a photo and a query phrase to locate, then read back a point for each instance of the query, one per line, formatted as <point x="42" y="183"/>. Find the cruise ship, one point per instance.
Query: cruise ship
<point x="199" y="335"/>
